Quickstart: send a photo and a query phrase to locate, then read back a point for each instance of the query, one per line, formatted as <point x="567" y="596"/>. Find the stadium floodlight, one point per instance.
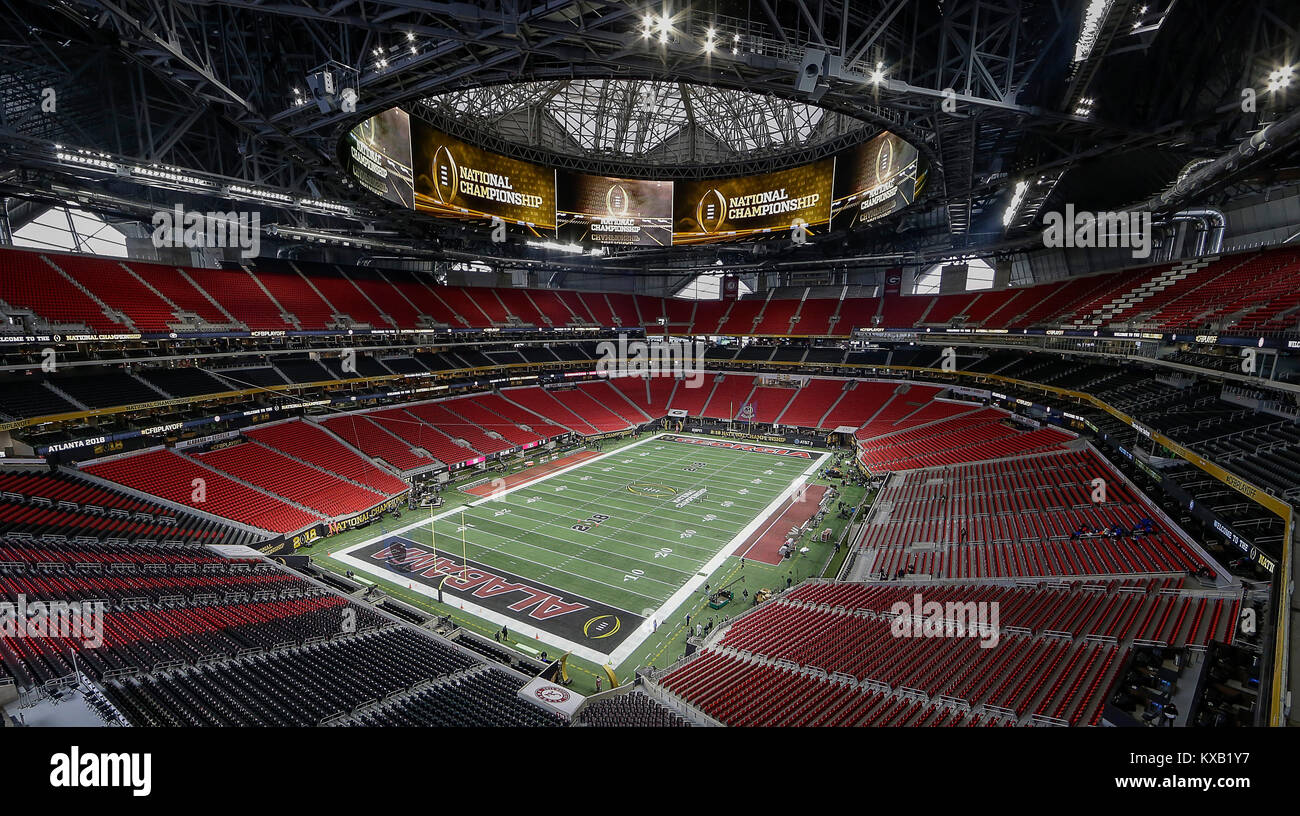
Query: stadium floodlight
<point x="1013" y="207"/>
<point x="878" y="75"/>
<point x="1093" y="18"/>
<point x="241" y="191"/>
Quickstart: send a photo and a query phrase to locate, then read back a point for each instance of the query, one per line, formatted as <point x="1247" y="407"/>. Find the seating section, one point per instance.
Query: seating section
<point x="692" y="393"/>
<point x="295" y="296"/>
<point x="831" y="654"/>
<point x="238" y="294"/>
<point x="596" y="405"/>
<point x="813" y="401"/>
<point x="177" y="635"/>
<point x="61" y="506"/>
<point x="29" y="397"/>
<point x="173" y="477"/>
<point x="183" y="382"/>
<point x="328" y="682"/>
<point x="740" y="692"/>
<point x="104" y="391"/>
<point x="769" y="402"/>
<point x="482" y="698"/>
<point x="730" y="397"/>
<point x="420" y="435"/>
<point x="876" y="402"/>
<point x="112" y="282"/>
<point x="1249" y="292"/>
<point x="1148" y="610"/>
<point x="443" y="419"/>
<point x="632" y="710"/>
<point x="280" y="475"/>
<point x="28" y="281"/>
<point x="376" y="442"/>
<point x="542" y="403"/>
<point x="1027" y="517"/>
<point x="473" y="409"/>
<point x="499" y="405"/>
<point x="964" y="437"/>
<point x="177" y="287"/>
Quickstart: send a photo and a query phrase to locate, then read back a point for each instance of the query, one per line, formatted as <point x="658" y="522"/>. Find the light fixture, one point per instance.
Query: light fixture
<point x="1013" y="207"/>
<point x="878" y="75"/>
<point x="1093" y="18"/>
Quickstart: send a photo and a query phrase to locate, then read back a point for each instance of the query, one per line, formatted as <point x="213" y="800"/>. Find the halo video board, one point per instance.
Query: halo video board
<point x="745" y="206"/>
<point x="379" y="156"/>
<point x="601" y="210"/>
<point x="459" y="180"/>
<point x="419" y="167"/>
<point x="876" y="178"/>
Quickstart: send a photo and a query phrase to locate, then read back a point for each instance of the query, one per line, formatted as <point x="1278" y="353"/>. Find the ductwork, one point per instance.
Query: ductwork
<point x="1269" y="137"/>
<point x="1211" y="224"/>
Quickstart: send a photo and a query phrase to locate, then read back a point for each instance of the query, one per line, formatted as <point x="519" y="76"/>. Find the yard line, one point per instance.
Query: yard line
<point x="740" y="514"/>
<point x="631" y="558"/>
<point x="547" y="568"/>
<point x="715" y="463"/>
<point x="616" y="528"/>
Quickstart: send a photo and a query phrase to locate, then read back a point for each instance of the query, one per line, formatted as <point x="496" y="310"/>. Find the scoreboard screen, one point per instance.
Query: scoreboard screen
<point x="602" y="211"/>
<point x="875" y="179"/>
<point x="459" y="180"/>
<point x="749" y="206"/>
<point x="379" y="156"/>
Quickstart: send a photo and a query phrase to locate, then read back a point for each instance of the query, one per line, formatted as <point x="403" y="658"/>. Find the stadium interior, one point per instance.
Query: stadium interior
<point x="629" y="364"/>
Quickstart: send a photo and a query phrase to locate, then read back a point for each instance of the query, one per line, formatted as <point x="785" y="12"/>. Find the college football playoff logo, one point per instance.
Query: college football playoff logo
<point x="711" y="212"/>
<point x="602" y="626"/>
<point x="885" y="160"/>
<point x="616" y="201"/>
<point x="446" y="175"/>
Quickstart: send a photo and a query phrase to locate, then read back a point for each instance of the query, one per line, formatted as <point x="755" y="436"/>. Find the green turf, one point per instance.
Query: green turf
<point x="623" y="561"/>
<point x="648" y="547"/>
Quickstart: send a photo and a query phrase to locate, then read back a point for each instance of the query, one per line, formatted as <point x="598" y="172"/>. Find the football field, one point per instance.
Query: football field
<point x="590" y="557"/>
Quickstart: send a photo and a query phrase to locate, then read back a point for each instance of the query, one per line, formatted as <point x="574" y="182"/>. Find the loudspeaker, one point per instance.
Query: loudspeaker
<point x="811" y="69"/>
